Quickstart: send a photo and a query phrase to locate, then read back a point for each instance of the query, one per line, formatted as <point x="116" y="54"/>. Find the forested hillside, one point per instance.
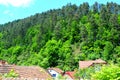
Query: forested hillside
<point x="62" y="37"/>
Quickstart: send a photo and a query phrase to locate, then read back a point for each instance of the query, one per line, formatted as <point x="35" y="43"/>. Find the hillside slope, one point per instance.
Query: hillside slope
<point x="62" y="37"/>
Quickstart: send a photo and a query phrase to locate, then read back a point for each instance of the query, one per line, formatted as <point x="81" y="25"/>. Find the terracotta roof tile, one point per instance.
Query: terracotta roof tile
<point x="5" y="68"/>
<point x="99" y="61"/>
<point x="71" y="74"/>
<point x="56" y="69"/>
<point x="32" y="72"/>
<point x="85" y="64"/>
<point x="25" y="71"/>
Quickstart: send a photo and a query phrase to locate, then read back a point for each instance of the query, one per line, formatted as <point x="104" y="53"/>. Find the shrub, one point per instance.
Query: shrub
<point x="111" y="72"/>
<point x="11" y="74"/>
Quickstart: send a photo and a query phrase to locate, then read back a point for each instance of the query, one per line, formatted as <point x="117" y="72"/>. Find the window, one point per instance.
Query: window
<point x="54" y="75"/>
<point x="50" y="70"/>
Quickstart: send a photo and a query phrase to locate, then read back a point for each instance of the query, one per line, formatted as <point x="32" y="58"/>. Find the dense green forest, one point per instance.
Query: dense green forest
<point x="62" y="37"/>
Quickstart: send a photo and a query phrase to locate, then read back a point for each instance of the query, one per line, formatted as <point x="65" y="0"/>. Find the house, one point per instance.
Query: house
<point x="86" y="64"/>
<point x="4" y="67"/>
<point x="69" y="75"/>
<point x="55" y="72"/>
<point x="25" y="72"/>
<point x="32" y="72"/>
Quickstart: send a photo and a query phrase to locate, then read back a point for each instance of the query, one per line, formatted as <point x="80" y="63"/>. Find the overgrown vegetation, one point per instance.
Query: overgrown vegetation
<point x="84" y="73"/>
<point x="105" y="72"/>
<point x="110" y="72"/>
<point x="12" y="74"/>
<point x="62" y="37"/>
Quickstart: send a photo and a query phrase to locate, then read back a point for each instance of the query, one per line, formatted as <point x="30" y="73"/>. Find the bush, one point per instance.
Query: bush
<point x="11" y="74"/>
<point x="111" y="72"/>
<point x="85" y="73"/>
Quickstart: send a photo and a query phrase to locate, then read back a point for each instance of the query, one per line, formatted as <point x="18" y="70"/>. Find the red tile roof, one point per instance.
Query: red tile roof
<point x="5" y="68"/>
<point x="85" y="64"/>
<point x="71" y="74"/>
<point x="99" y="61"/>
<point x="32" y="72"/>
<point x="57" y="70"/>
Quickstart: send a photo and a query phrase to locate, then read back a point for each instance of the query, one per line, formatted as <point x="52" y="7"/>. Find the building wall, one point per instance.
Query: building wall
<point x="53" y="73"/>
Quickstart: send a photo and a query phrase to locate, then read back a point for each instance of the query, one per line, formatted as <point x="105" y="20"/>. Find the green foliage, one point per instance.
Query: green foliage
<point x="14" y="52"/>
<point x="110" y="72"/>
<point x="11" y="74"/>
<point x="117" y="54"/>
<point x="61" y="77"/>
<point x="54" y="53"/>
<point x="1" y="35"/>
<point x="49" y="54"/>
<point x="85" y="73"/>
<point x="47" y="39"/>
<point x="66" y="59"/>
<point x="107" y="50"/>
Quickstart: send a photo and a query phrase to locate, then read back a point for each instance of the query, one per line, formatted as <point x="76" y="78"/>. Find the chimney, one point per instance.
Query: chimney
<point x="2" y="62"/>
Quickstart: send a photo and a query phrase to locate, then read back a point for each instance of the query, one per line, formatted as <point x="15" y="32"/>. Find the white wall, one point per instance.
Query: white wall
<point x="52" y="72"/>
